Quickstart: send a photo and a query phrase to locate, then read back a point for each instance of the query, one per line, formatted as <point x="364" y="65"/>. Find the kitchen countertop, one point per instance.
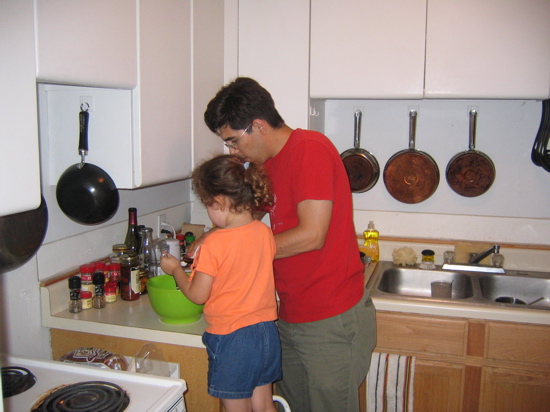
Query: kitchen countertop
<point x="137" y="320"/>
<point x="124" y="319"/>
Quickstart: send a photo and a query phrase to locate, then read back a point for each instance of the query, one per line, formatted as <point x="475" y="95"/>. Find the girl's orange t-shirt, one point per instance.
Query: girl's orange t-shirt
<point x="241" y="262"/>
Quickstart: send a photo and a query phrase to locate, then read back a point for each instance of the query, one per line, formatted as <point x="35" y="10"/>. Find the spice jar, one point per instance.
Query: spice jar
<point x="130" y="286"/>
<point x="110" y="291"/>
<point x="86" y="298"/>
<point x="98" y="301"/>
<point x="114" y="274"/>
<point x="86" y="272"/>
<point x="75" y="304"/>
<point x="428" y="256"/>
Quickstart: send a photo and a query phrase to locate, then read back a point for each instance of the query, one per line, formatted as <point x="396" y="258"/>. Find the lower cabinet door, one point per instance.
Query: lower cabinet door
<point x="438" y="386"/>
<point x="514" y="390"/>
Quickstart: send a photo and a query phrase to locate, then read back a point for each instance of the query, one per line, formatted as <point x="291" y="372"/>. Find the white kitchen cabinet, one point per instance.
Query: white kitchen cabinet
<point x="19" y="156"/>
<point x="273" y="48"/>
<point x="489" y="49"/>
<point x="163" y="95"/>
<point x="140" y="136"/>
<point x="87" y="43"/>
<point x="367" y="49"/>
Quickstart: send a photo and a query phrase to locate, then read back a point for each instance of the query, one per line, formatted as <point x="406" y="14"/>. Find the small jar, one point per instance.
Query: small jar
<point x="86" y="298"/>
<point x="75" y="304"/>
<point x="114" y="274"/>
<point x="183" y="250"/>
<point x="110" y="291"/>
<point x="428" y="256"/>
<point x="86" y="272"/>
<point x="98" y="301"/>
<point x="130" y="286"/>
<point x="118" y="250"/>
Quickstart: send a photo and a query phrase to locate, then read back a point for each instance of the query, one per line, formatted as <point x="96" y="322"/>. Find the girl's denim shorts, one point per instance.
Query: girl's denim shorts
<point x="242" y="360"/>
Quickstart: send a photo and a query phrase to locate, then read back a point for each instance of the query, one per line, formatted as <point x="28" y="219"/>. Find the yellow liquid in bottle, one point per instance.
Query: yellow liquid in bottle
<point x="371" y="244"/>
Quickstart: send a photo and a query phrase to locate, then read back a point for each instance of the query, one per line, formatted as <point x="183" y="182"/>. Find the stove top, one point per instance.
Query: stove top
<point x="37" y="385"/>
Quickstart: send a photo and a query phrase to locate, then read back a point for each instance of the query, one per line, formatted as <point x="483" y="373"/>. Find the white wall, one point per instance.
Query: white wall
<point x="67" y="245"/>
<point x="516" y="209"/>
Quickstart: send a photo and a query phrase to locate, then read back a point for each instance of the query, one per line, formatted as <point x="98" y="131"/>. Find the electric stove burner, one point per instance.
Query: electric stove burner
<point x="16" y="380"/>
<point x="89" y="396"/>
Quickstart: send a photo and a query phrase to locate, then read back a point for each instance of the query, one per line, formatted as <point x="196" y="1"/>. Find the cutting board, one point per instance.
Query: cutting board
<point x="463" y="250"/>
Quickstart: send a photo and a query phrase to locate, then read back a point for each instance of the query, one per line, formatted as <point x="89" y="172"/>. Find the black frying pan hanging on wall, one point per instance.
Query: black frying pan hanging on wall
<point x="361" y="166"/>
<point x="85" y="192"/>
<point x="21" y="235"/>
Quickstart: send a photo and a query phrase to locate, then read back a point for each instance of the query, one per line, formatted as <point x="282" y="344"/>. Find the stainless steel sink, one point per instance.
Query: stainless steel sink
<point x="468" y="287"/>
<point x="417" y="282"/>
<point x="524" y="287"/>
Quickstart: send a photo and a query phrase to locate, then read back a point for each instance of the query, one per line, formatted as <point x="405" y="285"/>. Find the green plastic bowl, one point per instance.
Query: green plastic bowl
<point x="170" y="303"/>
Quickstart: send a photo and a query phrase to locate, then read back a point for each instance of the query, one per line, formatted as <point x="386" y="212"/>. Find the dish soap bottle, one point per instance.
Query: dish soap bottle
<point x="371" y="242"/>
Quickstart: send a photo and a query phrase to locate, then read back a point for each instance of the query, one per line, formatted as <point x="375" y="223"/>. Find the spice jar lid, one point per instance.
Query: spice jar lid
<point x="110" y="287"/>
<point x="87" y="268"/>
<point x="121" y="248"/>
<point x="99" y="278"/>
<point x="428" y="252"/>
<point x="75" y="282"/>
<point x="99" y="265"/>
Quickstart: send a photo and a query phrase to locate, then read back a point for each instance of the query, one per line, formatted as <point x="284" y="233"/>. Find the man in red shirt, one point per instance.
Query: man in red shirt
<point x="326" y="320"/>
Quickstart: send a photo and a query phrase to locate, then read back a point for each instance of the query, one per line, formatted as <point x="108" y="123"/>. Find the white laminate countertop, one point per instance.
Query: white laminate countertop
<point x="124" y="319"/>
<point x="137" y="320"/>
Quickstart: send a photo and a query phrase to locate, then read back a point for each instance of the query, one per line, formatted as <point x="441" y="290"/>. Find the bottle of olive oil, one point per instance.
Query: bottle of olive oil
<point x="371" y="242"/>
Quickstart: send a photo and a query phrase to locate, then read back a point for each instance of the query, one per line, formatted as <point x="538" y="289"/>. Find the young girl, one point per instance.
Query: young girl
<point x="233" y="275"/>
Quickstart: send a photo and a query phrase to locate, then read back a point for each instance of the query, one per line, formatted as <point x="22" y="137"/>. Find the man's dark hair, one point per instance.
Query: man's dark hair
<point x="240" y="102"/>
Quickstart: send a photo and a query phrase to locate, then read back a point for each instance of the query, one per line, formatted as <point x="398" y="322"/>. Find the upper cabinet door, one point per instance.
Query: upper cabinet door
<point x="367" y="49"/>
<point x="87" y="43"/>
<point x="163" y="96"/>
<point x="274" y="49"/>
<point x="19" y="157"/>
<point x="491" y="49"/>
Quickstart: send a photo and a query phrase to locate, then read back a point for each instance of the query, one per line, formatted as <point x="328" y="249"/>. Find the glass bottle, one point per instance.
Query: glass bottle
<point x="75" y="304"/>
<point x="147" y="258"/>
<point x="132" y="235"/>
<point x="371" y="242"/>
<point x="130" y="288"/>
<point x="98" y="301"/>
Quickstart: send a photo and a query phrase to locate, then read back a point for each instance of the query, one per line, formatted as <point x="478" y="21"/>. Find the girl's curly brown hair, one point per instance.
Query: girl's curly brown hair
<point x="246" y="185"/>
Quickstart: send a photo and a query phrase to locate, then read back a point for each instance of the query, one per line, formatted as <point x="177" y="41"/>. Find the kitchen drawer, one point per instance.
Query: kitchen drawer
<point x="421" y="334"/>
<point x="518" y="343"/>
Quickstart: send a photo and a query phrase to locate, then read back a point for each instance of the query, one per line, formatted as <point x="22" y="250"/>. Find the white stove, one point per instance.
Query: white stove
<point x="132" y="392"/>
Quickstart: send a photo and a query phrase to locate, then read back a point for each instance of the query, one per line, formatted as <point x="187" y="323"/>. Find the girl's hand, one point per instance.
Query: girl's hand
<point x="169" y="263"/>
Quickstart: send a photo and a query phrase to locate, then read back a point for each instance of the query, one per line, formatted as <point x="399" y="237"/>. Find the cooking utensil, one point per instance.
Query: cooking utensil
<point x="508" y="299"/>
<point x="535" y="301"/>
<point x="471" y="173"/>
<point x="540" y="155"/>
<point x="361" y="166"/>
<point x="21" y="235"/>
<point x="411" y="176"/>
<point x="85" y="192"/>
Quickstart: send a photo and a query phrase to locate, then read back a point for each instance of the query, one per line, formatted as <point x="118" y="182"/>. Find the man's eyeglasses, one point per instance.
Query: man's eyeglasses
<point x="232" y="144"/>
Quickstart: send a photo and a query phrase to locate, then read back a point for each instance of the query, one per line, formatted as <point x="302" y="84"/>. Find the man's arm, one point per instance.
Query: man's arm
<point x="311" y="232"/>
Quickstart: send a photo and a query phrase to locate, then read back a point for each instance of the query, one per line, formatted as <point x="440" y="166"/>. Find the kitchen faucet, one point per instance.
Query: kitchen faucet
<point x="475" y="258"/>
